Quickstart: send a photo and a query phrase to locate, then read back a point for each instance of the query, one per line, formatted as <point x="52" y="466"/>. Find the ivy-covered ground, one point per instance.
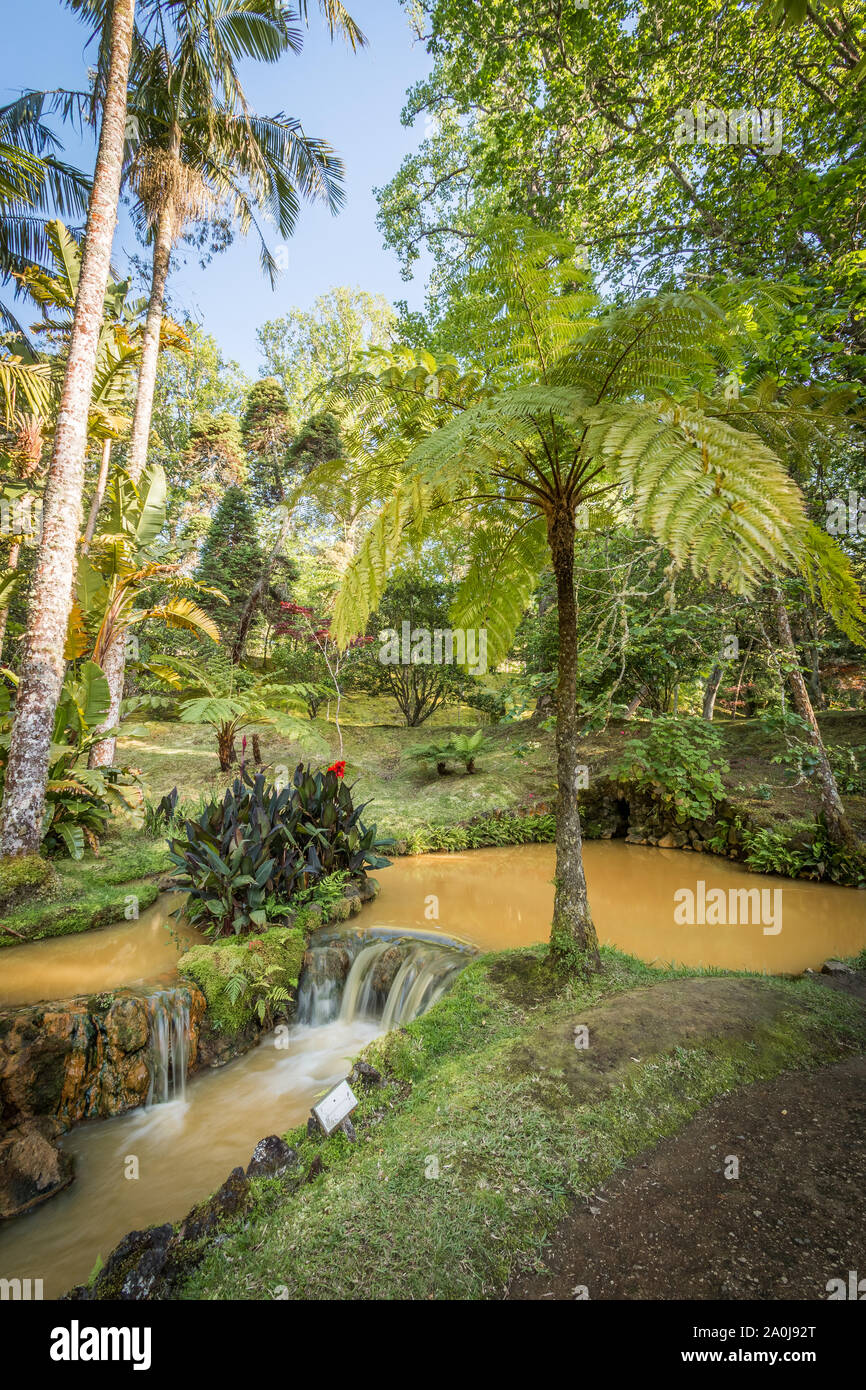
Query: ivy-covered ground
<point x="408" y="800"/>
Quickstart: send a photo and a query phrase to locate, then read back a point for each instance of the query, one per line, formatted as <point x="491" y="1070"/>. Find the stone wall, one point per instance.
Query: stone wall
<point x="79" y="1059"/>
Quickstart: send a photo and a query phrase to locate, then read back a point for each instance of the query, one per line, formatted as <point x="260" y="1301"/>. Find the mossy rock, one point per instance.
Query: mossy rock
<point x="23" y="877"/>
<point x="211" y="967"/>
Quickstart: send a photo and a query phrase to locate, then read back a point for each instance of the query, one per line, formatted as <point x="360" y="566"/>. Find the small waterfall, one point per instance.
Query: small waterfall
<point x="421" y="980"/>
<point x="392" y="976"/>
<point x="168" y="1026"/>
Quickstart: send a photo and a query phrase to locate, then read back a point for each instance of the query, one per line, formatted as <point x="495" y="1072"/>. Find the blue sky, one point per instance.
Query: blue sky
<point x="352" y="100"/>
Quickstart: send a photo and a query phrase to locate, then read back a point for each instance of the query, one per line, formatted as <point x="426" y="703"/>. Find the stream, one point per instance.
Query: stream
<point x="153" y="1164"/>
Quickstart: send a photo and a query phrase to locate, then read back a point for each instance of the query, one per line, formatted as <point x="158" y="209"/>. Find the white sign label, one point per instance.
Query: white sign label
<point x="333" y="1108"/>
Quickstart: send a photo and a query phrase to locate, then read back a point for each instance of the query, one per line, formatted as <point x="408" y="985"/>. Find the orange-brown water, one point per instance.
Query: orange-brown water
<point x="497" y="898"/>
<point x="129" y="953"/>
<point x="493" y="898"/>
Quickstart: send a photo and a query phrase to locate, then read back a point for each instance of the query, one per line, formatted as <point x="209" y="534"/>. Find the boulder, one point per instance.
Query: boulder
<point x="32" y="1167"/>
<point x="272" y="1157"/>
<point x="228" y="1201"/>
<point x="836" y="967"/>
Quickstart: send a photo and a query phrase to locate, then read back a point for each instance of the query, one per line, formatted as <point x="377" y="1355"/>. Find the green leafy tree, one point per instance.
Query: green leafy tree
<point x="579" y="402"/>
<point x="231" y="559"/>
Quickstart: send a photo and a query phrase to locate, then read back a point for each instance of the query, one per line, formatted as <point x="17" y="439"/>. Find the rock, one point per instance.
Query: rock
<point x="133" y="1267"/>
<point x="315" y="1168"/>
<point x="385" y="970"/>
<point x="369" y="887"/>
<point x="228" y="1201"/>
<point x="80" y="1058"/>
<point x="32" y="1167"/>
<point x="272" y="1156"/>
<point x="126" y="1025"/>
<point x="365" y="1075"/>
<point x="836" y="967"/>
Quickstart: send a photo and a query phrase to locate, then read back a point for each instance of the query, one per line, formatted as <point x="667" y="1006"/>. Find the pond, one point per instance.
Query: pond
<point x="490" y="899"/>
<point x="503" y="897"/>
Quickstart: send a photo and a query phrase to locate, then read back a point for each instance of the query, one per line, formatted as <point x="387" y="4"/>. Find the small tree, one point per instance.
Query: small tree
<point x="418" y="688"/>
<point x="231" y="559"/>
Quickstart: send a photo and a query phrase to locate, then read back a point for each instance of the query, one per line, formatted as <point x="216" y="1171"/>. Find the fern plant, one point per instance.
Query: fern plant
<point x="575" y="407"/>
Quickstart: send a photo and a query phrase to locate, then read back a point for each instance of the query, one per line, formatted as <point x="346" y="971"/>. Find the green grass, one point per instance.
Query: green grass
<point x="92" y="892"/>
<point x="489" y="1087"/>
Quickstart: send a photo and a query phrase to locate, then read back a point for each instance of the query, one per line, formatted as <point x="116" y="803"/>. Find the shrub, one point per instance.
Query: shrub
<point x="246" y="857"/>
<point x="803" y="854"/>
<point x="680" y="759"/>
<point x="459" y="748"/>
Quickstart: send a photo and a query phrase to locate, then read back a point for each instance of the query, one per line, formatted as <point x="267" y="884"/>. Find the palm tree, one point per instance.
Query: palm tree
<point x="199" y="152"/>
<point x="33" y="181"/>
<point x="42" y="666"/>
<point x="578" y="405"/>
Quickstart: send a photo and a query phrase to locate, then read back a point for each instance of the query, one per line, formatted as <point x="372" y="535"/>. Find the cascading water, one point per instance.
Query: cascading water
<point x="390" y="977"/>
<point x="168" y="1047"/>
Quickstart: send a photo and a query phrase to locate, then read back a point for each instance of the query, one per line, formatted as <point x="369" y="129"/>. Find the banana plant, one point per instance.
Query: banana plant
<point x="121" y="585"/>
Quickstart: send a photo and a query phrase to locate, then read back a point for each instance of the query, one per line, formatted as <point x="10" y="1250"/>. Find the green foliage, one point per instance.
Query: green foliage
<point x="809" y="853"/>
<point x="849" y="769"/>
<point x="680" y="760"/>
<point x="248" y="978"/>
<point x="798" y="758"/>
<point x="248" y="856"/>
<point x="455" y="748"/>
<point x="231" y="558"/>
<point x="491" y="832"/>
<point x="418" y="596"/>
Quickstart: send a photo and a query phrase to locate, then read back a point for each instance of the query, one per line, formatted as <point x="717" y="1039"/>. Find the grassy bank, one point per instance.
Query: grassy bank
<point x="92" y="892"/>
<point x="491" y="1121"/>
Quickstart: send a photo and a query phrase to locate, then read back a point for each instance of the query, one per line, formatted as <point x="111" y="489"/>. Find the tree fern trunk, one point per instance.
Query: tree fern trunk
<point x="43" y="664"/>
<point x="572" y="937"/>
<point x="837" y="820"/>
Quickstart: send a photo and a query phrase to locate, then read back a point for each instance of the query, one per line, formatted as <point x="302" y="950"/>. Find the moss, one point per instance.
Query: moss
<point x="211" y="967"/>
<point x="492" y="1121"/>
<point x="25" y="876"/>
<point x="91" y="892"/>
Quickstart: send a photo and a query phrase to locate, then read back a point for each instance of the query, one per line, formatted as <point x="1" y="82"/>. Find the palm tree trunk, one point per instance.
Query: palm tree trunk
<point x="572" y="936"/>
<point x="98" y="495"/>
<point x="140" y="435"/>
<point x="838" y="824"/>
<point x="102" y="753"/>
<point x="14" y="553"/>
<point x="43" y="665"/>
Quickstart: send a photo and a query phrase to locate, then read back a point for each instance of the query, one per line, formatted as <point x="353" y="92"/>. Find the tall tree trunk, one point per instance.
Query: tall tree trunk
<point x="711" y="690"/>
<point x="14" y="554"/>
<point x="96" y="501"/>
<point x="102" y="753"/>
<point x="838" y="824"/>
<point x="43" y="665"/>
<point x="572" y="936"/>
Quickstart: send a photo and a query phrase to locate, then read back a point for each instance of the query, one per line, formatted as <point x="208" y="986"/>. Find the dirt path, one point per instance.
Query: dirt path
<point x="671" y="1225"/>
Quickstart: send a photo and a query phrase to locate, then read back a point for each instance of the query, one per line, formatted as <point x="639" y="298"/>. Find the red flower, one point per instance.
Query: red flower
<point x="339" y="768"/>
